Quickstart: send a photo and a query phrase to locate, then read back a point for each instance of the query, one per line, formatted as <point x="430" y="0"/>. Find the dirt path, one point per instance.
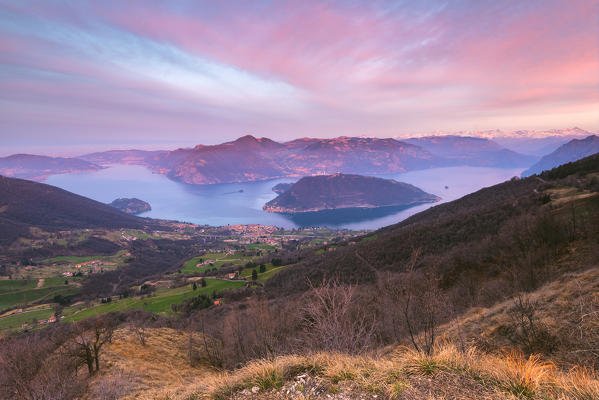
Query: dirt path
<point x="40" y="283"/>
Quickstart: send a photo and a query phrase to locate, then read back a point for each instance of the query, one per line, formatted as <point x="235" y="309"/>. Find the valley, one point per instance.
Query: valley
<point x="33" y="289"/>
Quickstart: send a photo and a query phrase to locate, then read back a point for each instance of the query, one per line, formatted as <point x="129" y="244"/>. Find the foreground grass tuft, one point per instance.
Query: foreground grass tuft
<point x="409" y="374"/>
<point x="523" y="376"/>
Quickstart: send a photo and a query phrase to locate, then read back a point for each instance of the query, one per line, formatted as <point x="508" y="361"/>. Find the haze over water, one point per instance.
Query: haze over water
<point x="241" y="203"/>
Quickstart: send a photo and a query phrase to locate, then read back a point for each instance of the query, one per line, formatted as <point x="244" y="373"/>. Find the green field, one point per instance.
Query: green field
<point x="262" y="277"/>
<point x="17" y="320"/>
<point x="23" y="297"/>
<point x="18" y="285"/>
<point x="189" y="267"/>
<point x="270" y="273"/>
<point x="160" y="302"/>
<point x="13" y="285"/>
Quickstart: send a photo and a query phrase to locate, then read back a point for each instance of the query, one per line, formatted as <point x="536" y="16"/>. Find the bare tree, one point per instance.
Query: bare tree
<point x="192" y="352"/>
<point x="235" y="331"/>
<point x="335" y="318"/>
<point x="141" y="334"/>
<point x="213" y="348"/>
<point x="415" y="304"/>
<point x="527" y="330"/>
<point x="88" y="339"/>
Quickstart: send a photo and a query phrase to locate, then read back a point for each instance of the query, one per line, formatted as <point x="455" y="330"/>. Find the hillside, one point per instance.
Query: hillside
<point x="463" y="238"/>
<point x="571" y="151"/>
<point x="25" y="204"/>
<point x="331" y="192"/>
<point x="29" y="166"/>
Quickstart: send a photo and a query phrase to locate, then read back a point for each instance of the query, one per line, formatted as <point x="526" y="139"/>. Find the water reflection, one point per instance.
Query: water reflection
<point x="345" y="216"/>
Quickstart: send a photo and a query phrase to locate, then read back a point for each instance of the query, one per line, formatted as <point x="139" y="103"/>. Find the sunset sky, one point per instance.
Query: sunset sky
<point x="165" y="73"/>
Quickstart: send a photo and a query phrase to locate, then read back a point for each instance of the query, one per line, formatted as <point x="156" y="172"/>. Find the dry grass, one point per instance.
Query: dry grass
<point x="567" y="307"/>
<point x="160" y="370"/>
<point x="406" y="374"/>
<point x="522" y="376"/>
<point x="579" y="383"/>
<point x="160" y="367"/>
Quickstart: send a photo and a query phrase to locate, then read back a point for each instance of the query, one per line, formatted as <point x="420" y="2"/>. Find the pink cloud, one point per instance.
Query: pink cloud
<point x="365" y="67"/>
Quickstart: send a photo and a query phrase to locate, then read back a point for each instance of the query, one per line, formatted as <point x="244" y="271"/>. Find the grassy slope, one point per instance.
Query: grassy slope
<point x="264" y="276"/>
<point x="567" y="307"/>
<point x="160" y="303"/>
<point x="138" y="371"/>
<point x="17" y="320"/>
<point x="27" y="293"/>
<point x="401" y="374"/>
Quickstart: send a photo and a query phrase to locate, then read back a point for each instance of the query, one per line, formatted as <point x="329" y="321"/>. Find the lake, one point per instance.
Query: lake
<point x="241" y="203"/>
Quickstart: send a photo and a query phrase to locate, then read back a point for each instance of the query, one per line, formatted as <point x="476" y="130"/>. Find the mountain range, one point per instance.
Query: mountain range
<point x="533" y="142"/>
<point x="253" y="159"/>
<point x="572" y="151"/>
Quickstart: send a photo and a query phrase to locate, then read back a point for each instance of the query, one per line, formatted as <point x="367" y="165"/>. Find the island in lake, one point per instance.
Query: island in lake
<point x="131" y="206"/>
<point x="343" y="191"/>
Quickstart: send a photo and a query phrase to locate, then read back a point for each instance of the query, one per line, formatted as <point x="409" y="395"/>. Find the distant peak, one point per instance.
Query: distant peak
<point x="250" y="140"/>
<point x="247" y="138"/>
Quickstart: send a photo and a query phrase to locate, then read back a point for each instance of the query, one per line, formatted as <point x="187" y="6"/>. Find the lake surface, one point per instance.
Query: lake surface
<point x="241" y="203"/>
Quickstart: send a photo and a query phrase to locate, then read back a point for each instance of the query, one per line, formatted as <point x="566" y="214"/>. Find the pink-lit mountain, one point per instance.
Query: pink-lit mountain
<point x="253" y="159"/>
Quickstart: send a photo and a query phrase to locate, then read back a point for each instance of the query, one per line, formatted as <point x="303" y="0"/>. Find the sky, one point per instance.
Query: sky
<point x="87" y="74"/>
